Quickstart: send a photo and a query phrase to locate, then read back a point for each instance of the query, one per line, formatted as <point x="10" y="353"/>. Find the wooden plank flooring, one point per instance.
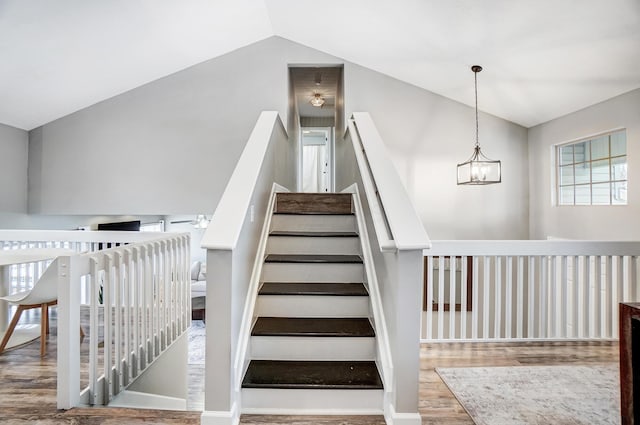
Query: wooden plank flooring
<point x="28" y="385"/>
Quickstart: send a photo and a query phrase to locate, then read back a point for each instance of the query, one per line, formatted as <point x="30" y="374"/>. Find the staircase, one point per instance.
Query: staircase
<point x="312" y="346"/>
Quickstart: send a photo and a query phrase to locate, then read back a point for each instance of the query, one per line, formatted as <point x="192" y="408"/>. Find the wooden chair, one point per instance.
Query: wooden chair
<point x="43" y="295"/>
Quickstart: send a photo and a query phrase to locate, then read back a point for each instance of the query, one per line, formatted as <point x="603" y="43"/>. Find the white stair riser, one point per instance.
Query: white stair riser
<point x="312" y="348"/>
<point x="313" y="245"/>
<point x="310" y="402"/>
<point x="312" y="272"/>
<point x="318" y="223"/>
<point x="312" y="306"/>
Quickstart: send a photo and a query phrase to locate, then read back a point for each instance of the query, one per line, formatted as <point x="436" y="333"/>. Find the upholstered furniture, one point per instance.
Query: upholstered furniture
<point x="198" y="290"/>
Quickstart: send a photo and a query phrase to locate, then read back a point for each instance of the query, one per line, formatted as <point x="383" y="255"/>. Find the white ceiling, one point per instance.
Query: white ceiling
<point x="541" y="58"/>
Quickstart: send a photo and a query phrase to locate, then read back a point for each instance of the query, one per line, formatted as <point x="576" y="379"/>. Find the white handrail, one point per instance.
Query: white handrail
<point x="76" y="236"/>
<point x="406" y="227"/>
<point x="226" y="224"/>
<point x="383" y="233"/>
<point x="533" y="247"/>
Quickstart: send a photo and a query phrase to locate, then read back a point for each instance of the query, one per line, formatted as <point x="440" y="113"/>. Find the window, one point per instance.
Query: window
<point x="593" y="171"/>
<point x="158" y="226"/>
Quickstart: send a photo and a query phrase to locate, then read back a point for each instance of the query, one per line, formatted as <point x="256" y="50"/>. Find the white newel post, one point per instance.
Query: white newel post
<point x="219" y="402"/>
<point x="406" y="336"/>
<point x="68" y="332"/>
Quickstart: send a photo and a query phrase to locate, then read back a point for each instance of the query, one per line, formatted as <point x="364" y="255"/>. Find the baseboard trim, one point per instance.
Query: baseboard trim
<point x="220" y="417"/>
<point x="392" y="417"/>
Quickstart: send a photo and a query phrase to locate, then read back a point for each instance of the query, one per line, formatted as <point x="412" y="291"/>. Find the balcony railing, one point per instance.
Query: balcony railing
<point x="527" y="290"/>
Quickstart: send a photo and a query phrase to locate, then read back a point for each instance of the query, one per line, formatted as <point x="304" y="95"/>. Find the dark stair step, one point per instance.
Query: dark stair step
<point x="313" y="326"/>
<point x="294" y="288"/>
<point x="356" y="375"/>
<point x="313" y="258"/>
<point x="313" y="203"/>
<point x="314" y="234"/>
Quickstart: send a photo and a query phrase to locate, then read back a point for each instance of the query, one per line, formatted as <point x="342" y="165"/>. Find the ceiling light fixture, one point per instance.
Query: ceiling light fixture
<point x="317" y="100"/>
<point x="478" y="169"/>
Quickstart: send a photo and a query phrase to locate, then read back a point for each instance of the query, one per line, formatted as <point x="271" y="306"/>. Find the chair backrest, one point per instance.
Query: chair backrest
<point x="46" y="288"/>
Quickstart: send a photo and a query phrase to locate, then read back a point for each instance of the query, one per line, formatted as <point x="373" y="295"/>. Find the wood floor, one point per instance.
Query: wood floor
<point x="28" y="385"/>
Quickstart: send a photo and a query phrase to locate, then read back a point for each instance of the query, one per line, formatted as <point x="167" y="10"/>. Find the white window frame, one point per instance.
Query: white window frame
<point x="558" y="164"/>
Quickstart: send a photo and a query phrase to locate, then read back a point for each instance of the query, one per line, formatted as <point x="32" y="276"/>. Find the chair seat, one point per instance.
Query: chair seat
<point x="16" y="297"/>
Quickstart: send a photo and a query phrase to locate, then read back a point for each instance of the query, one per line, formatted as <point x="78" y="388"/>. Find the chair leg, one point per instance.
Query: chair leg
<point x="44" y="329"/>
<point x="10" y="329"/>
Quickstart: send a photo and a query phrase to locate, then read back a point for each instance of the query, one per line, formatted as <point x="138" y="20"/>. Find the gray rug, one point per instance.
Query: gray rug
<point x="538" y="394"/>
<point x="196" y="342"/>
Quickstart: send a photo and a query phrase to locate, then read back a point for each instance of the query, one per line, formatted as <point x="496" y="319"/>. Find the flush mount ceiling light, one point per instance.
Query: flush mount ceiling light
<point x="478" y="169"/>
<point x="317" y="100"/>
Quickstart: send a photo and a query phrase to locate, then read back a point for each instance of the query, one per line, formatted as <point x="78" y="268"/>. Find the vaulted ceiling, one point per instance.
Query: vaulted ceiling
<point x="542" y="59"/>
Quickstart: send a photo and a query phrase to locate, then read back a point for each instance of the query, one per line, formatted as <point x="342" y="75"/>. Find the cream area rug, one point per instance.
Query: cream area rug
<point x="197" y="342"/>
<point x="559" y="395"/>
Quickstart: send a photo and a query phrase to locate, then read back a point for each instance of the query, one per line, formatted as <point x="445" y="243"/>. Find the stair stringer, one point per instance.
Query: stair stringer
<point x="384" y="359"/>
<point x="241" y="360"/>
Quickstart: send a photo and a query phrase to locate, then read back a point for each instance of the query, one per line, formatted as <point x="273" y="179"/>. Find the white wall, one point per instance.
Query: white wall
<point x="585" y="222"/>
<point x="169" y="147"/>
<point x="13" y="170"/>
<point x="427" y="135"/>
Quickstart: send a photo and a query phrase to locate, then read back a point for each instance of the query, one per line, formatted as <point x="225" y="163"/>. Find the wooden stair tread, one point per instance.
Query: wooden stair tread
<point x="318" y="234"/>
<point x="357" y="375"/>
<point x="313" y="326"/>
<point x="313" y="203"/>
<point x="304" y="288"/>
<point x="313" y="258"/>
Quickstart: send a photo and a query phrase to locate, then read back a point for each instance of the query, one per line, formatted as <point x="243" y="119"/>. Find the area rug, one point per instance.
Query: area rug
<point x="564" y="395"/>
<point x="197" y="342"/>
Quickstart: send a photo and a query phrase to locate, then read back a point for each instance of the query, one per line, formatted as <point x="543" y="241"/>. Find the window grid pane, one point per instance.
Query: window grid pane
<point x="593" y="171"/>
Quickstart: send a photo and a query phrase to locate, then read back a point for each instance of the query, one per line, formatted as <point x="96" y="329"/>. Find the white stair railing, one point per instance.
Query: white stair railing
<point x="527" y="290"/>
<point x="133" y="301"/>
<point x="139" y="305"/>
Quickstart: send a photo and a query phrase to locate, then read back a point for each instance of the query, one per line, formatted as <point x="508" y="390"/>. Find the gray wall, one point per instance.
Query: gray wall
<point x="427" y="135"/>
<point x="585" y="222"/>
<point x="169" y="147"/>
<point x="13" y="170"/>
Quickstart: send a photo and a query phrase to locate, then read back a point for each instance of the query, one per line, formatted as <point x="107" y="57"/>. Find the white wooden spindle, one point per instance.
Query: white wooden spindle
<point x="531" y="309"/>
<point x="475" y="294"/>
<point x="497" y="318"/>
<point x="508" y="302"/>
<point x="577" y="300"/>
<point x="464" y="262"/>
<point x="486" y="283"/>
<point x="608" y="297"/>
<point x="598" y="296"/>
<point x="440" y="297"/>
<point x="553" y="298"/>
<point x="429" y="321"/>
<point x="520" y="298"/>
<point x="565" y="303"/>
<point x="452" y="296"/>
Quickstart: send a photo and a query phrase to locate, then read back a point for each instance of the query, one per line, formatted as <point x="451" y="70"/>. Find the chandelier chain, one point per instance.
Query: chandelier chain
<point x="475" y="74"/>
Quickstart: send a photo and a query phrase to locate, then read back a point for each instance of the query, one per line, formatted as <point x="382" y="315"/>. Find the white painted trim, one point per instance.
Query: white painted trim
<point x="227" y="221"/>
<point x="385" y="239"/>
<point x="392" y="417"/>
<point x="380" y="323"/>
<point x="405" y="224"/>
<point x="501" y="340"/>
<point x="76" y="236"/>
<point x="242" y="352"/>
<point x="140" y="400"/>
<point x="532" y="248"/>
<point x="210" y="417"/>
